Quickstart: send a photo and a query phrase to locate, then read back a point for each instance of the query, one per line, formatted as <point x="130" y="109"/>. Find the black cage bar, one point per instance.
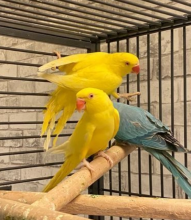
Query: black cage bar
<point x="158" y="32"/>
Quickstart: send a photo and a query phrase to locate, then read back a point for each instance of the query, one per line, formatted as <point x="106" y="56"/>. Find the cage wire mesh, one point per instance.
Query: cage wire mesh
<point x="157" y="32"/>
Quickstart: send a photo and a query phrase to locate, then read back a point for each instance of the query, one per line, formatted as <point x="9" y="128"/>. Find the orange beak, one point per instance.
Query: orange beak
<point x="136" y="69"/>
<point x="80" y="104"/>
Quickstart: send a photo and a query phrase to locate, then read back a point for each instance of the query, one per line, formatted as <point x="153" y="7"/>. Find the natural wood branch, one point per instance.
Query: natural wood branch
<point x="17" y="211"/>
<point x="137" y="207"/>
<point x="115" y="205"/>
<point x="22" y="197"/>
<point x="72" y="186"/>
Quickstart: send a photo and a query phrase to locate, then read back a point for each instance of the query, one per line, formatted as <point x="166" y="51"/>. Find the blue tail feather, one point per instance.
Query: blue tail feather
<point x="180" y="173"/>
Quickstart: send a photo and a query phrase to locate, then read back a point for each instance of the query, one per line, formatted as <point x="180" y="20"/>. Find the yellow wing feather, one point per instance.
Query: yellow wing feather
<point x="63" y="61"/>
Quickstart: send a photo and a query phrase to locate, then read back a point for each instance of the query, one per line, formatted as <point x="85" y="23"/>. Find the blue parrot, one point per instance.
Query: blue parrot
<point x="139" y="127"/>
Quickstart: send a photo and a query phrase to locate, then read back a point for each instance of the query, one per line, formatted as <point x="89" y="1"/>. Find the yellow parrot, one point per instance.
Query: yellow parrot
<point x="98" y="125"/>
<point x="97" y="70"/>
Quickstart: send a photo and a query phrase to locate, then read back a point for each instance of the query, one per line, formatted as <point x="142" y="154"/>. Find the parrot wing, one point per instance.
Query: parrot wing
<point x="63" y="61"/>
<point x="138" y="126"/>
<point x="102" y="79"/>
<point x="72" y="82"/>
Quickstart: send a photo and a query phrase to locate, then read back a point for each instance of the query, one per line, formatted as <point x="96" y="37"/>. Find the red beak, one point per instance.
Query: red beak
<point x="136" y="69"/>
<point x="80" y="104"/>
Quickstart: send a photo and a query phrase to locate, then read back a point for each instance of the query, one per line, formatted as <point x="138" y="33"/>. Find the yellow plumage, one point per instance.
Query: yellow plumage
<point x="97" y="70"/>
<point x="98" y="125"/>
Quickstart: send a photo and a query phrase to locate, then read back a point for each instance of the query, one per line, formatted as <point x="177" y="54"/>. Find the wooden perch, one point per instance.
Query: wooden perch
<point x="17" y="211"/>
<point x="120" y="206"/>
<point x="137" y="207"/>
<point x="72" y="186"/>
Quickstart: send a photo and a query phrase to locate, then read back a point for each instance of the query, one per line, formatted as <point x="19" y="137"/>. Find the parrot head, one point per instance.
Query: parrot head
<point x="125" y="63"/>
<point x="92" y="100"/>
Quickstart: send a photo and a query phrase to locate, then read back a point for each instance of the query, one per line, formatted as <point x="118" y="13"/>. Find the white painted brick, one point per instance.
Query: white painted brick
<point x="22" y="86"/>
<point x="24" y="71"/>
<point x="54" y="47"/>
<point x="178" y="114"/>
<point x="33" y="101"/>
<point x="135" y="183"/>
<point x="32" y="142"/>
<point x="18" y="56"/>
<point x="188" y="36"/>
<point x="24" y="116"/>
<point x="179" y="64"/>
<point x="166" y="41"/>
<point x="10" y="175"/>
<point x="134" y="162"/>
<point x="8" y="70"/>
<point x="115" y="181"/>
<point x="132" y="45"/>
<point x="40" y="117"/>
<point x="12" y="142"/>
<point x="3" y="86"/>
<point x="2" y="55"/>
<point x="154" y="91"/>
<point x="36" y="172"/>
<point x="37" y="60"/>
<point x="157" y="185"/>
<point x="23" y="158"/>
<point x="3" y="118"/>
<point x="4" y="159"/>
<point x="29" y="187"/>
<point x="44" y="87"/>
<point x="181" y="89"/>
<point x="9" y="101"/>
<point x="8" y="41"/>
<point x="124" y="165"/>
<point x="179" y="131"/>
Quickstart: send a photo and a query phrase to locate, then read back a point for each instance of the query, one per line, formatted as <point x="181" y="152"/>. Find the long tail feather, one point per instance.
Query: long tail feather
<point x="180" y="173"/>
<point x="49" y="131"/>
<point x="70" y="163"/>
<point x="67" y="113"/>
<point x="61" y="100"/>
<point x="58" y="149"/>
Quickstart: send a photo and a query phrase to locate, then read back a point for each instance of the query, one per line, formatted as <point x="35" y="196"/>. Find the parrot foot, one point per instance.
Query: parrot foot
<point x="128" y="96"/>
<point x="88" y="165"/>
<point x="58" y="54"/>
<point x="104" y="155"/>
<point x="58" y="57"/>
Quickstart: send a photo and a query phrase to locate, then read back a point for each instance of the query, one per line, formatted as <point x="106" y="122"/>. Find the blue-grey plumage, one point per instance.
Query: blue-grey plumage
<point x="139" y="127"/>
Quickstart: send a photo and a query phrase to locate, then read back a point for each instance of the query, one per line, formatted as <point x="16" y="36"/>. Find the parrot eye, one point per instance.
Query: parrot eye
<point x="127" y="63"/>
<point x="91" y="96"/>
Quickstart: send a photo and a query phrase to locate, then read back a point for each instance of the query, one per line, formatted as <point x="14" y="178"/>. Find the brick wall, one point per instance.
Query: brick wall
<point x="24" y="115"/>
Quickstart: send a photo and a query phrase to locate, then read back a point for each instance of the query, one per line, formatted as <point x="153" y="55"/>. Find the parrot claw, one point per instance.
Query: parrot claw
<point x="128" y="96"/>
<point x="58" y="57"/>
<point x="58" y="54"/>
<point x="104" y="155"/>
<point x="88" y="165"/>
